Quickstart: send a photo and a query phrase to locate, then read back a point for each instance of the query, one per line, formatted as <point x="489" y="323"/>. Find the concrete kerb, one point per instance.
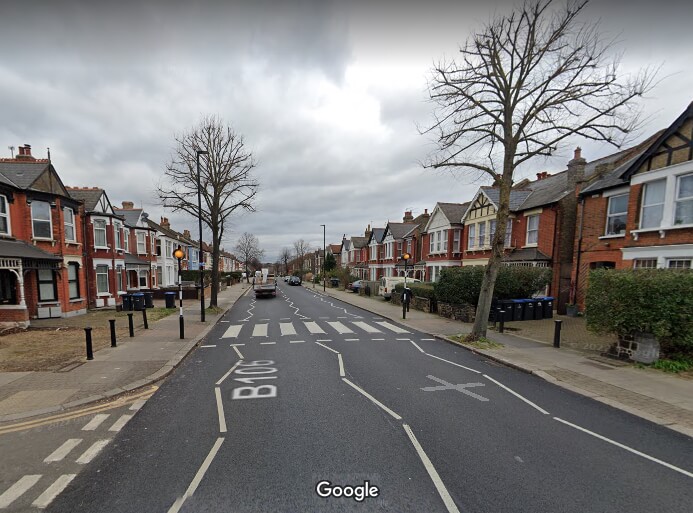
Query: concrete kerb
<point x="109" y="394"/>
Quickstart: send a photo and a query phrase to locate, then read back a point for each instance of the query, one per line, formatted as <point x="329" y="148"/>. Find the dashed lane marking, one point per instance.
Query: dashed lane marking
<point x="18" y="489"/>
<point x="44" y="500"/>
<point x="62" y="451"/>
<point x="96" y="421"/>
<point x="118" y="424"/>
<point x="91" y="453"/>
<point x="296" y="341"/>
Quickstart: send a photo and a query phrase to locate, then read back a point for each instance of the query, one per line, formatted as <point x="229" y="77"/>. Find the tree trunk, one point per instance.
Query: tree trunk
<point x="216" y="251"/>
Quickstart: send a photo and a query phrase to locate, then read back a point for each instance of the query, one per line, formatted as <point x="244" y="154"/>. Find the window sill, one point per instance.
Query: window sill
<point x="102" y="248"/>
<point x="48" y="303"/>
<point x="73" y="243"/>
<point x="13" y="307"/>
<point x="530" y="246"/>
<point x="103" y="294"/>
<point x="77" y="300"/>
<point x="41" y="239"/>
<point x="615" y="236"/>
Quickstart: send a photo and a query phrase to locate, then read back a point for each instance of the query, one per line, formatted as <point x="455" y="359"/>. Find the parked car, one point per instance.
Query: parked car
<point x="294" y="280"/>
<point x="286" y="278"/>
<point x="355" y="286"/>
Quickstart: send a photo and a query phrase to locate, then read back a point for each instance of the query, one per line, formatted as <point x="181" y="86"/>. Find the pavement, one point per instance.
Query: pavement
<point x="152" y="354"/>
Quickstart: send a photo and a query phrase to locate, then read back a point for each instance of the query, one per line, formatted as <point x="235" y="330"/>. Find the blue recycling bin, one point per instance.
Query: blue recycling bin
<point x="548" y="307"/>
<point x="527" y="309"/>
<point x="138" y="301"/>
<point x="127" y="301"/>
<point x="170" y="299"/>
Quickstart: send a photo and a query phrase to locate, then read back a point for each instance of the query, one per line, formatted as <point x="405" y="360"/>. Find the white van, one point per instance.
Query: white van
<point x="387" y="284"/>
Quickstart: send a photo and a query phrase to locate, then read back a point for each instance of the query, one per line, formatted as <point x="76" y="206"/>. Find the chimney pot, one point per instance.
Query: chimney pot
<point x="578" y="153"/>
<point x="128" y="205"/>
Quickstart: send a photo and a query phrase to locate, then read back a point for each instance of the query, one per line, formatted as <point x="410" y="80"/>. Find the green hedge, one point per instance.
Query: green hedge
<point x="657" y="301"/>
<point x="463" y="284"/>
<point x="418" y="289"/>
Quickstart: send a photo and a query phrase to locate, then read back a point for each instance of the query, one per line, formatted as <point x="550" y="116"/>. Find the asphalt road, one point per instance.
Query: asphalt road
<point x="288" y="394"/>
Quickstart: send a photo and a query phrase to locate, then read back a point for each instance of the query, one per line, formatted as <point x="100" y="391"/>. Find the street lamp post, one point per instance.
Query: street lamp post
<point x="324" y="255"/>
<point x="179" y="254"/>
<point x="405" y="296"/>
<point x="200" y="263"/>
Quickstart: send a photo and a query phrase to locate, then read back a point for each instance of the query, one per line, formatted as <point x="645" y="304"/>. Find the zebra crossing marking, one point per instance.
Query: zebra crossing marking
<point x="287" y="328"/>
<point x="366" y="327"/>
<point x="391" y="327"/>
<point x="313" y="328"/>
<point x="260" y="330"/>
<point x="341" y="329"/>
<point x="232" y="331"/>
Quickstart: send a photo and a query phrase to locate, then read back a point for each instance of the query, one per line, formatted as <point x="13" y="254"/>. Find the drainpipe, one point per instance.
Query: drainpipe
<point x="573" y="291"/>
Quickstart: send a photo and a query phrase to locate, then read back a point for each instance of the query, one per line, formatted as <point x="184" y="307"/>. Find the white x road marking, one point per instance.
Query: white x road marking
<point x="460" y="388"/>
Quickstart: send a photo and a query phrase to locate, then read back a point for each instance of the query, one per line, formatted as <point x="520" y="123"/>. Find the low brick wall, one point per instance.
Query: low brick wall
<point x="417" y="303"/>
<point x="462" y="312"/>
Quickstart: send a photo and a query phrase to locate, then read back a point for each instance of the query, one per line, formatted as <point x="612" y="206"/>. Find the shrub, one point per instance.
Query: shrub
<point x="418" y="289"/>
<point x="463" y="284"/>
<point x="657" y="301"/>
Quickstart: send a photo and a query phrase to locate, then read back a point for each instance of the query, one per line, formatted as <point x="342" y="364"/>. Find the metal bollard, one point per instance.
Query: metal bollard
<point x="131" y="325"/>
<point x="501" y="325"/>
<point x="404" y="310"/>
<point x="495" y="318"/>
<point x="181" y="327"/>
<point x="144" y="318"/>
<point x="113" y="333"/>
<point x="90" y="350"/>
<point x="557" y="333"/>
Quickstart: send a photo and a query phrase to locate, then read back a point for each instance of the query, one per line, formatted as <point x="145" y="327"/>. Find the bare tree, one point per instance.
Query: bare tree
<point x="248" y="250"/>
<point x="522" y="85"/>
<point x="285" y="257"/>
<point x="226" y="181"/>
<point x="301" y="248"/>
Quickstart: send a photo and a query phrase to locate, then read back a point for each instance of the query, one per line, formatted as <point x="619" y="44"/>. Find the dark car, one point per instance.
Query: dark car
<point x="294" y="280"/>
<point x="355" y="286"/>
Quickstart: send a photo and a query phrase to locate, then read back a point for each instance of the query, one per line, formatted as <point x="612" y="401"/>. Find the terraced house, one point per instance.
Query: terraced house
<point x="139" y="244"/>
<point x="41" y="243"/>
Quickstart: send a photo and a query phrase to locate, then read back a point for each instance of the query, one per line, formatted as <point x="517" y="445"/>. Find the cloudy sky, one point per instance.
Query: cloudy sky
<point x="328" y="96"/>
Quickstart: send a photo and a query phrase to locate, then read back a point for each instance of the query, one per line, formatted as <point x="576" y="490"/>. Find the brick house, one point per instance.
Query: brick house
<point x="139" y="244"/>
<point x="393" y="244"/>
<point x="442" y="238"/>
<point x="375" y="252"/>
<point x="354" y="254"/>
<point x="412" y="243"/>
<point x="336" y="250"/>
<point x="639" y="214"/>
<point x="41" y="260"/>
<point x="104" y="247"/>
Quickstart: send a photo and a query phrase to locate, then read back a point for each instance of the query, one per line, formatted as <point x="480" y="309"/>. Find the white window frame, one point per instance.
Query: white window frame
<point x="4" y="205"/>
<point x="471" y="236"/>
<point x="532" y="230"/>
<point x="685" y="261"/>
<point x="105" y="237"/>
<point x="140" y="276"/>
<point x="143" y="250"/>
<point x="644" y="263"/>
<point x="69" y="224"/>
<point x="482" y="234"/>
<point x="431" y="242"/>
<point x="610" y="214"/>
<point x="73" y="280"/>
<point x="445" y="240"/>
<point x="169" y="249"/>
<point x="678" y="200"/>
<point x="492" y="223"/>
<point x="661" y="205"/>
<point x="35" y="219"/>
<point x="456" y="241"/>
<point x="96" y="276"/>
<point x="126" y="239"/>
<point x="508" y="233"/>
<point x="117" y="227"/>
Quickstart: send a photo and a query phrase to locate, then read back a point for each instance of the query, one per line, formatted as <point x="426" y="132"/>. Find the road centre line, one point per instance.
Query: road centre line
<point x="542" y="410"/>
<point x="440" y="486"/>
<point x="267" y="343"/>
<point x="351" y="340"/>
<point x="417" y="346"/>
<point x="43" y="500"/>
<point x="373" y="399"/>
<point x="324" y="340"/>
<point x="233" y="368"/>
<point x="341" y="365"/>
<point x="326" y="347"/>
<point x="377" y="339"/>
<point x="220" y="410"/>
<point x="18" y="489"/>
<point x="296" y="341"/>
<point x="198" y="477"/>
<point x="629" y="449"/>
<point x="209" y="345"/>
<point x="452" y="363"/>
<point x="234" y="345"/>
<point x="428" y="339"/>
<point x="403" y="339"/>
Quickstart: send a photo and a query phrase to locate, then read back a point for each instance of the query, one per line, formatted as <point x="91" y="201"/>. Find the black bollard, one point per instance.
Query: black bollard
<point x="181" y="327"/>
<point x="557" y="333"/>
<point x="130" y="325"/>
<point x="144" y="318"/>
<point x="90" y="350"/>
<point x="501" y="325"/>
<point x="113" y="332"/>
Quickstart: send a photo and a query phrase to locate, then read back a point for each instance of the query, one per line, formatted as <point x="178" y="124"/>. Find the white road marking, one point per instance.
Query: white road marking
<point x="260" y="330"/>
<point x="378" y="339"/>
<point x="366" y="327"/>
<point x="296" y="341"/>
<point x="324" y="340"/>
<point x="287" y="328"/>
<point x="225" y="321"/>
<point x="232" y="331"/>
<point x="403" y="339"/>
<point x="326" y="347"/>
<point x="238" y="352"/>
<point x="198" y="477"/>
<point x="209" y="345"/>
<point x="220" y="410"/>
<point x="233" y="368"/>
<point x="118" y="424"/>
<point x="629" y="449"/>
<point x="416" y="346"/>
<point x="391" y="327"/>
<point x="63" y="450"/>
<point x="373" y="399"/>
<point x="428" y="339"/>
<point x="44" y="500"/>
<point x="351" y="339"/>
<point x="517" y="395"/>
<point x="234" y="345"/>
<point x="452" y="363"/>
<point x="285" y="319"/>
<point x="267" y="343"/>
<point x="96" y="421"/>
<point x="91" y="453"/>
<point x="313" y="328"/>
<point x="341" y="329"/>
<point x="18" y="489"/>
<point x="442" y="491"/>
<point x="138" y="404"/>
<point x="462" y="387"/>
<point x="341" y="365"/>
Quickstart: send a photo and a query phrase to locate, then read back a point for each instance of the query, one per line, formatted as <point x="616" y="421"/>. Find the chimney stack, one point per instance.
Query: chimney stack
<point x="542" y="175"/>
<point x="25" y="153"/>
<point x="165" y="224"/>
<point x="576" y="169"/>
<point x="186" y="234"/>
<point x="408" y="218"/>
<point x="128" y="205"/>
